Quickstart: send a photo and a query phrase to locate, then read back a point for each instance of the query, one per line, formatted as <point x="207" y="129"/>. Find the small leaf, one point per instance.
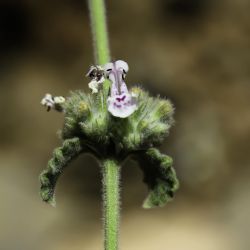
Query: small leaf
<point x="61" y="157"/>
<point x="160" y="177"/>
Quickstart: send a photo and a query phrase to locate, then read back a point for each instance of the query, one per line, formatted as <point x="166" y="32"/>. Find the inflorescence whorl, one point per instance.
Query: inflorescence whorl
<point x="90" y="127"/>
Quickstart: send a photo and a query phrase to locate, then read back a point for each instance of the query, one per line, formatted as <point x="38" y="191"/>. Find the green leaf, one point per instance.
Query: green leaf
<point x="160" y="177"/>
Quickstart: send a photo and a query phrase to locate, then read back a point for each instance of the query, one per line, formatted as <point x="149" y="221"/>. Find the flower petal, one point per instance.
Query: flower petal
<point x="122" y="105"/>
<point x="93" y="85"/>
<point x="122" y="65"/>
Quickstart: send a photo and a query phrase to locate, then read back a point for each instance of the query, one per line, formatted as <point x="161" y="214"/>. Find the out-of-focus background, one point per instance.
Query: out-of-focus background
<point x="195" y="52"/>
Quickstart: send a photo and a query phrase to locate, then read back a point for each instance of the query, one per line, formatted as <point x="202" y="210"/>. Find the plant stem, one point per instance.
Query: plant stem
<point x="111" y="202"/>
<point x="111" y="170"/>
<point x="100" y="35"/>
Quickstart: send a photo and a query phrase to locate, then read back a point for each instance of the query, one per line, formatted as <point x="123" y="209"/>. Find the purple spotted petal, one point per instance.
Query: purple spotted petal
<point x="122" y="105"/>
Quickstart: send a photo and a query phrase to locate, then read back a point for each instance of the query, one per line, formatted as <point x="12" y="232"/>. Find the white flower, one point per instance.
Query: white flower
<point x="120" y="102"/>
<point x="59" y="99"/>
<point x="96" y="73"/>
<point x="52" y="102"/>
<point x="93" y="85"/>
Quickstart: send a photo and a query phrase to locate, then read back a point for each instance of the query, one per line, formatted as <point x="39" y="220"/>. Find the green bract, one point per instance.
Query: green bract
<point x="89" y="127"/>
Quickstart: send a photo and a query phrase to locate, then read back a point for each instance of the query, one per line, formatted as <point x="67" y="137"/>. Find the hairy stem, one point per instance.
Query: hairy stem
<point x="111" y="170"/>
<point x="100" y="35"/>
<point x="111" y="201"/>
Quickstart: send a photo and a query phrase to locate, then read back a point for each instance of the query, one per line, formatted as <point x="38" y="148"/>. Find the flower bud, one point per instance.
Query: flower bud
<point x="83" y="107"/>
<point x="165" y="109"/>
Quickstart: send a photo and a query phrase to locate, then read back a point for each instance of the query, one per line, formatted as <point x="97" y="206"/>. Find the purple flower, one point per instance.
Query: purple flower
<point x="120" y="102"/>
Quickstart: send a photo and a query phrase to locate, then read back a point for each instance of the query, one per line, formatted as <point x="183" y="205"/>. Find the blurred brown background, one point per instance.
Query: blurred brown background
<point x="194" y="52"/>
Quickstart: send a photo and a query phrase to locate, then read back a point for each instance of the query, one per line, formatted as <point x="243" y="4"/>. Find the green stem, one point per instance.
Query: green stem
<point x="111" y="170"/>
<point x="100" y="35"/>
<point x="111" y="201"/>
